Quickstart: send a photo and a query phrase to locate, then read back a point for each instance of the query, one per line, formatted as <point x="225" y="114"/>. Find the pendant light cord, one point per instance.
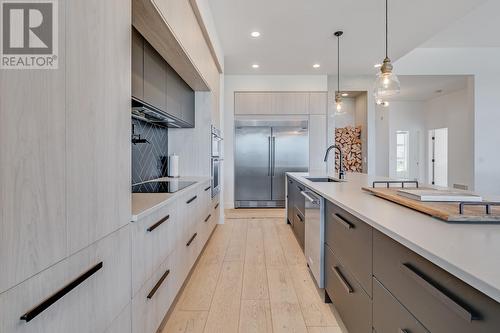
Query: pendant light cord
<point x="386" y="28"/>
<point x="338" y="64"/>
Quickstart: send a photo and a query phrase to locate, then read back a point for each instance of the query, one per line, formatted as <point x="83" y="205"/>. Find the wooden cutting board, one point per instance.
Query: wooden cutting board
<point x="446" y="211"/>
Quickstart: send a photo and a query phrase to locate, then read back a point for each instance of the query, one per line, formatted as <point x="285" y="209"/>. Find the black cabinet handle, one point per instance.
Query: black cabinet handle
<point x="158" y="284"/>
<point x="157" y="224"/>
<point x="342" y="279"/>
<point x="216" y="206"/>
<point x="440" y="295"/>
<point x="28" y="316"/>
<point x="208" y="217"/>
<point x="300" y="218"/>
<point x="192" y="199"/>
<point x="191" y="239"/>
<point x="343" y="221"/>
<point x="208" y="188"/>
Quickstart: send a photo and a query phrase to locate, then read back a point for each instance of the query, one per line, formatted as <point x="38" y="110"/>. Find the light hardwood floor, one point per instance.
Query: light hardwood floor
<point x="252" y="277"/>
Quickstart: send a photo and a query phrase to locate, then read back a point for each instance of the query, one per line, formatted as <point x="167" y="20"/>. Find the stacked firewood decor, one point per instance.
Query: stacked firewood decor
<point x="349" y="139"/>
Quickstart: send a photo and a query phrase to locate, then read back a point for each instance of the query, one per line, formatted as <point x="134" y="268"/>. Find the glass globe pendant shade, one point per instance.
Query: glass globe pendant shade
<point x="386" y="85"/>
<point x="338" y="105"/>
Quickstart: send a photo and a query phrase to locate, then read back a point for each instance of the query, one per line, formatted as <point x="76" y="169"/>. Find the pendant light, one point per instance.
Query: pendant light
<point x="338" y="93"/>
<point x="387" y="83"/>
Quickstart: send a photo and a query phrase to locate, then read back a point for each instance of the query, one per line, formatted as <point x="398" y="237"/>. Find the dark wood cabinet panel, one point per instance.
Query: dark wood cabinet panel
<point x="391" y="316"/>
<point x="439" y="300"/>
<point x="155" y="78"/>
<point x="351" y="240"/>
<point x="348" y="297"/>
<point x="137" y="65"/>
<point x="180" y="97"/>
<point x="290" y="200"/>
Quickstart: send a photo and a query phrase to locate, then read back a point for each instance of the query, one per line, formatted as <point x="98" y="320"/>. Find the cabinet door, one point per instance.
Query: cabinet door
<point x="290" y="201"/>
<point x="137" y="65"/>
<point x="155" y="78"/>
<point x="32" y="168"/>
<point x="318" y="103"/>
<point x="98" y="125"/>
<point x="253" y="103"/>
<point x="290" y="103"/>
<point x="317" y="143"/>
<point x="180" y="97"/>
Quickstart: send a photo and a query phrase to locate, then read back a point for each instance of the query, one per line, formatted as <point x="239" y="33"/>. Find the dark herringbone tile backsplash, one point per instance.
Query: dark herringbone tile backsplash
<point x="149" y="160"/>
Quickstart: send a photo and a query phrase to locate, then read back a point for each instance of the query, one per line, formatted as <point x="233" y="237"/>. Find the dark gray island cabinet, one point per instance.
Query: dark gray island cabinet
<point x="379" y="285"/>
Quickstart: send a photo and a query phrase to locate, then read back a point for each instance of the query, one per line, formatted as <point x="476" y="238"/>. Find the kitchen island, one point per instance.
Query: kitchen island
<point x="469" y="253"/>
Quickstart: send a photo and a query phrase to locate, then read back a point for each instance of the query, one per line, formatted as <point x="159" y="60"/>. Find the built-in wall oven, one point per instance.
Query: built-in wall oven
<point x="216" y="161"/>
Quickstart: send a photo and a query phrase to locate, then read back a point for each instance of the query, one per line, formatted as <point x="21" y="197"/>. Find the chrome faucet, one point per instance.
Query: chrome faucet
<point x="341" y="158"/>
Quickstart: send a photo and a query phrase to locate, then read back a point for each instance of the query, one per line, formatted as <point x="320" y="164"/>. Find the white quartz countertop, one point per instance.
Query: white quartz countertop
<point x="469" y="252"/>
<point x="144" y="204"/>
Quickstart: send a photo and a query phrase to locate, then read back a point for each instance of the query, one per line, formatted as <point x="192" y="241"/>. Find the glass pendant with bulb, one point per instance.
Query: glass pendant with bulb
<point x="387" y="83"/>
<point x="338" y="94"/>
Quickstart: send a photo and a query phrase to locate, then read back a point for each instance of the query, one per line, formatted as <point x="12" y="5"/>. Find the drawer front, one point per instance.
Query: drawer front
<point x="440" y="301"/>
<point x="299" y="200"/>
<point x="299" y="226"/>
<point x="152" y="302"/>
<point x="290" y="199"/>
<point x="153" y="239"/>
<point x="351" y="240"/>
<point x="390" y="316"/>
<point x="98" y="296"/>
<point x="350" y="300"/>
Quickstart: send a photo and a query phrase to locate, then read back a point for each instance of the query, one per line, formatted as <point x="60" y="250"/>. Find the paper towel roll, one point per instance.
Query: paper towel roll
<point x="173" y="165"/>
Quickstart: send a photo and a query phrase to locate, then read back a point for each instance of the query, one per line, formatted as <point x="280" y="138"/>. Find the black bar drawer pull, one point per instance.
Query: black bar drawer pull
<point x="445" y="299"/>
<point x="28" y="316"/>
<point x="208" y="217"/>
<point x="158" y="284"/>
<point x="208" y="188"/>
<point x="192" y="199"/>
<point x="192" y="239"/>
<point x="343" y="221"/>
<point x="342" y="279"/>
<point x="300" y="218"/>
<point x="157" y="224"/>
<point x="216" y="206"/>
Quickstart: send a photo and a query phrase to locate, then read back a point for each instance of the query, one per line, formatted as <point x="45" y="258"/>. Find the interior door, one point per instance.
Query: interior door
<point x="290" y="152"/>
<point x="252" y="175"/>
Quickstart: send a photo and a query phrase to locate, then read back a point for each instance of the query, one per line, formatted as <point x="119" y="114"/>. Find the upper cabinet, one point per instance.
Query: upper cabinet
<point x="137" y="65"/>
<point x="157" y="84"/>
<point x="280" y="103"/>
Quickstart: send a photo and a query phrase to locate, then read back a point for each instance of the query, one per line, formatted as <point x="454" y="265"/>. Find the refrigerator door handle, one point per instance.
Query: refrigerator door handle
<point x="274" y="156"/>
<point x="270" y="156"/>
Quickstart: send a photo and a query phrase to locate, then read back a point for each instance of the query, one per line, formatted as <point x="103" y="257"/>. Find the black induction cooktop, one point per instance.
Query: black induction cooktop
<point x="171" y="186"/>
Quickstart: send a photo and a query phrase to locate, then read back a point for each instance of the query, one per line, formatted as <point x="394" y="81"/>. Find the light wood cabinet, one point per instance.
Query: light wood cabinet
<point x="253" y="103"/>
<point x="98" y="125"/>
<point x="317" y="142"/>
<point x="290" y="103"/>
<point x="90" y="307"/>
<point x="318" y="103"/>
<point x="32" y="160"/>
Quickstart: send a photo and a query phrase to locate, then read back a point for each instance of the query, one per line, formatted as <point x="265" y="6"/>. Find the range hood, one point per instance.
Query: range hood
<point x="148" y="113"/>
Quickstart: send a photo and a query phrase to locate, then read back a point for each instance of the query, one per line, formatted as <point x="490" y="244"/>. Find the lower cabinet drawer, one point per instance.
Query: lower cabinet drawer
<point x="440" y="301"/>
<point x="151" y="303"/>
<point x="350" y="300"/>
<point x="123" y="323"/>
<point x="390" y="316"/>
<point x="299" y="226"/>
<point x="83" y="293"/>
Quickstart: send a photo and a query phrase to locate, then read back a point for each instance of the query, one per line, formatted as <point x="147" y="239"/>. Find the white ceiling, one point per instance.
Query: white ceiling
<point x="297" y="33"/>
<point x="423" y="88"/>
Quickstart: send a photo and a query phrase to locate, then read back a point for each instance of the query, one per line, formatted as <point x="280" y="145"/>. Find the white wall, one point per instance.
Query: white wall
<point x="234" y="83"/>
<point x="361" y="106"/>
<point x="381" y="160"/>
<point x="484" y="65"/>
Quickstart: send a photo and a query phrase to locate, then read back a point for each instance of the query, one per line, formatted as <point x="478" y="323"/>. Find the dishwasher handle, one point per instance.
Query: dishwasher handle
<point x="308" y="197"/>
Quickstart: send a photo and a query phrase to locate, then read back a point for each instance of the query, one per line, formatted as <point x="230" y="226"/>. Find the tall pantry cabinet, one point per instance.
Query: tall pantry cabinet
<point x="65" y="179"/>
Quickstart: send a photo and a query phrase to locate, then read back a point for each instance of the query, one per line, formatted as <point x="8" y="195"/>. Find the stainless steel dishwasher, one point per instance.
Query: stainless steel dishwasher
<point x="314" y="235"/>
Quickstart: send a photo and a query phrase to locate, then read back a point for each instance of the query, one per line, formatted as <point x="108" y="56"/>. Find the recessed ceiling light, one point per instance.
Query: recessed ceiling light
<point x="377" y="65"/>
<point x="255" y="34"/>
<point x="345" y="94"/>
<point x="255" y="66"/>
<point x="316" y="66"/>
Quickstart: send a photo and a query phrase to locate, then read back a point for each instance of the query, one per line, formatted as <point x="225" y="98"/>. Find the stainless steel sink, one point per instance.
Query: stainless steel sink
<point x="324" y="180"/>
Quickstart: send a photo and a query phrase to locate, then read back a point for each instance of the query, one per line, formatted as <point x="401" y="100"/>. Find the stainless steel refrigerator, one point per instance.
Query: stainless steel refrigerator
<point x="264" y="151"/>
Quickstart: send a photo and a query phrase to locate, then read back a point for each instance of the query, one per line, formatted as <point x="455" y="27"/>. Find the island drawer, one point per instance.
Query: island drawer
<point x="350" y="300"/>
<point x="440" y="301"/>
<point x="351" y="240"/>
<point x="389" y="315"/>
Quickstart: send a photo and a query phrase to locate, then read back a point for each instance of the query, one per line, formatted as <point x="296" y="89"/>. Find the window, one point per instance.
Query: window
<point x="402" y="155"/>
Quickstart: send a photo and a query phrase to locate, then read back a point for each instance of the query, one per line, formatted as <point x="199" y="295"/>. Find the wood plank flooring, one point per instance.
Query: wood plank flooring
<point x="252" y="278"/>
